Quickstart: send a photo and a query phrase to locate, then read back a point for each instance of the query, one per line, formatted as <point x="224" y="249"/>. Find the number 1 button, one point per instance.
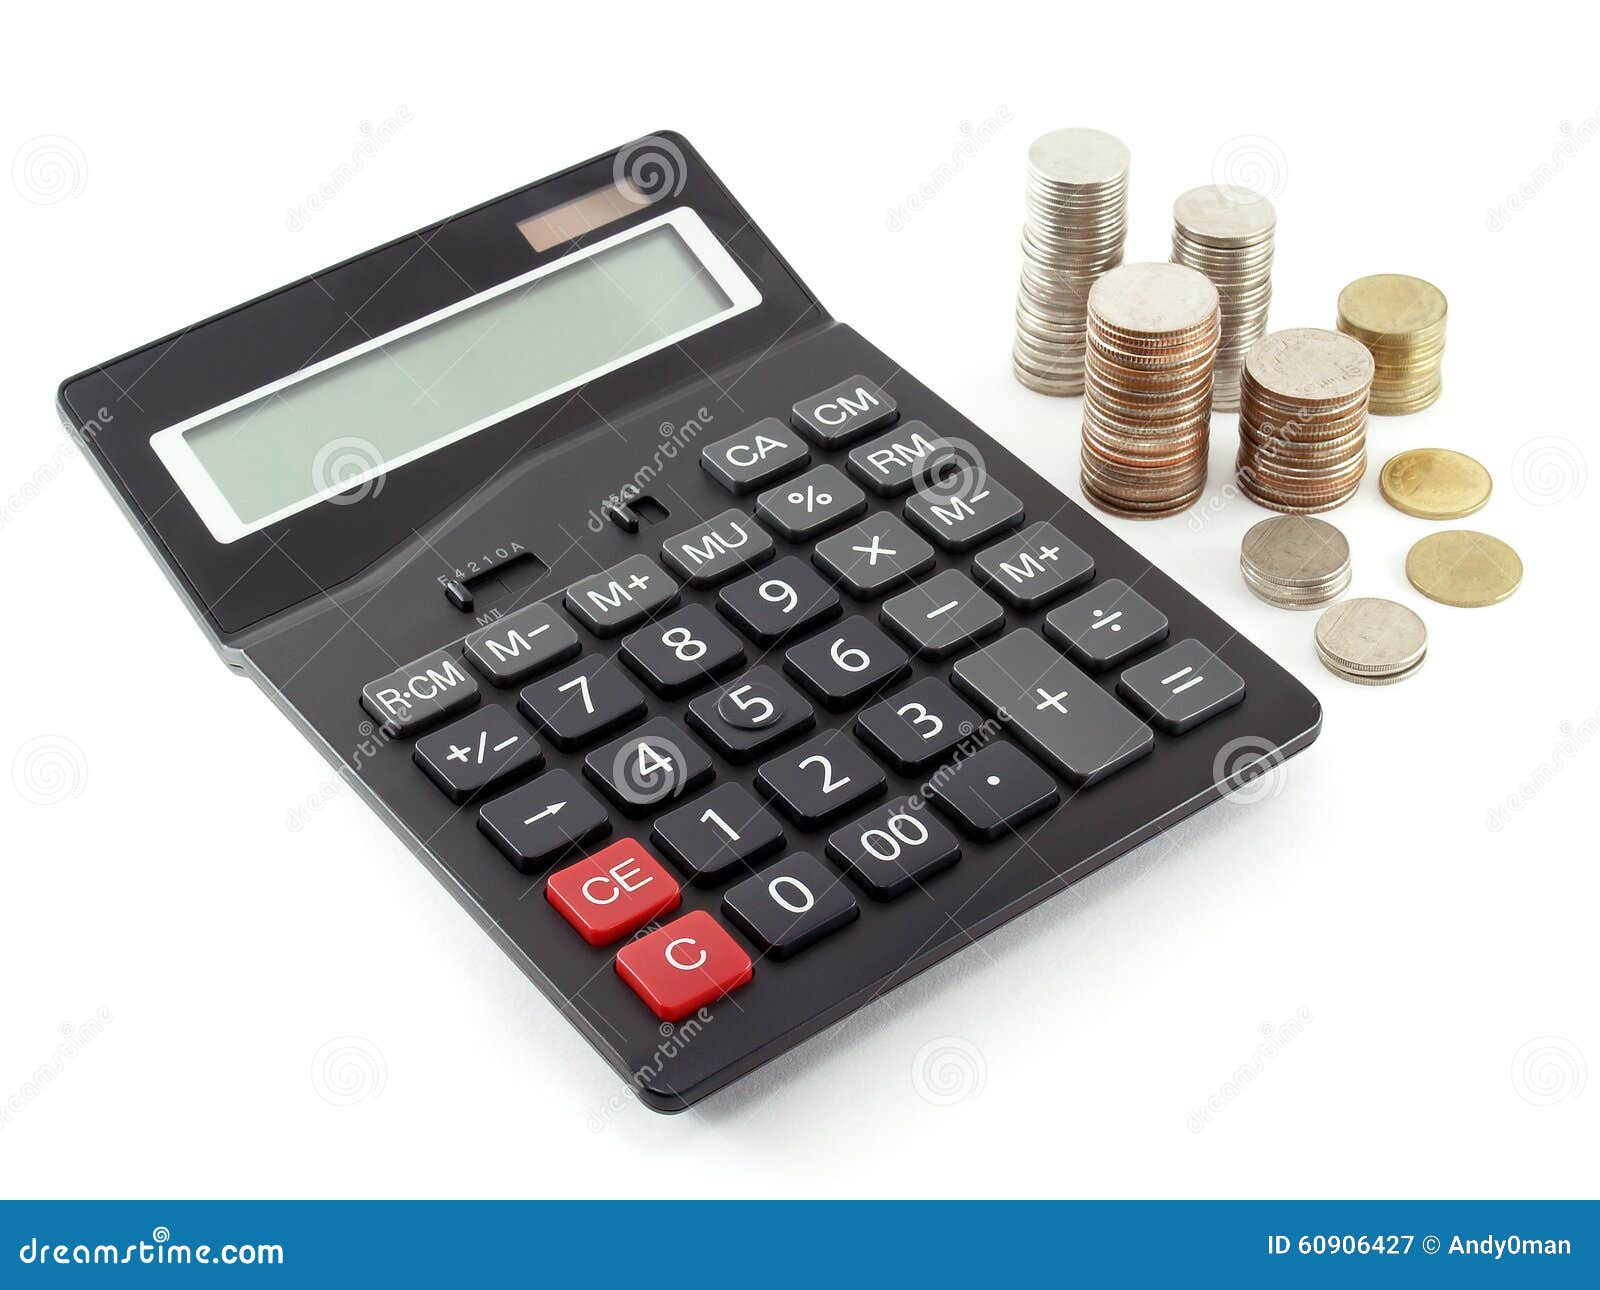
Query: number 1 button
<point x="725" y="831"/>
<point x="689" y="963"/>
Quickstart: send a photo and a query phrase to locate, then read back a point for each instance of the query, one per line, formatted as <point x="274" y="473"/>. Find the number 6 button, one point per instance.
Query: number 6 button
<point x="684" y="966"/>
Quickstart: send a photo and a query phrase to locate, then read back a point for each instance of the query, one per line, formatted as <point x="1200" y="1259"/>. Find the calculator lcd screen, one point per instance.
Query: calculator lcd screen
<point x="339" y="424"/>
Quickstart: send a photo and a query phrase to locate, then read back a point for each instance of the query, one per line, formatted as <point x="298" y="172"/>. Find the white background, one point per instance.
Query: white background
<point x="1416" y="896"/>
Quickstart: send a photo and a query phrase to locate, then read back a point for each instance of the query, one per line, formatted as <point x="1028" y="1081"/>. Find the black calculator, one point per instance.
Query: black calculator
<point x="725" y="673"/>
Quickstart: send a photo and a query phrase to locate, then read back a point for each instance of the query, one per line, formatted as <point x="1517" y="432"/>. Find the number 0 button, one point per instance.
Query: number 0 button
<point x="791" y="905"/>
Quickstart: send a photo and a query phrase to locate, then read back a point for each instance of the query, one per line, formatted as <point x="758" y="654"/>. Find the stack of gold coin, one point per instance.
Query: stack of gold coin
<point x="1295" y="561"/>
<point x="1303" y="420"/>
<point x="1077" y="221"/>
<point x="1226" y="233"/>
<point x="1152" y="339"/>
<point x="1401" y="320"/>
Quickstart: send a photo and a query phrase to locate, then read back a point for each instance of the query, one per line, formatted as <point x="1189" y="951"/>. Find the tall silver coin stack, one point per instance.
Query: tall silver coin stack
<point x="1226" y="233"/>
<point x="1077" y="222"/>
<point x="1153" y="332"/>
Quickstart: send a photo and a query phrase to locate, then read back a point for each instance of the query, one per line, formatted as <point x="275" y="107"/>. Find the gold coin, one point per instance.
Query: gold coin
<point x="1464" y="568"/>
<point x="1435" y="484"/>
<point x="1392" y="307"/>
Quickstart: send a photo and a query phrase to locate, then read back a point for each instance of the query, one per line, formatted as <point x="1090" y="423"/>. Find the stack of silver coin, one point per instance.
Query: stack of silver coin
<point x="1152" y="333"/>
<point x="1226" y="233"/>
<point x="1303" y="420"/>
<point x="1295" y="562"/>
<point x="1371" y="641"/>
<point x="1077" y="221"/>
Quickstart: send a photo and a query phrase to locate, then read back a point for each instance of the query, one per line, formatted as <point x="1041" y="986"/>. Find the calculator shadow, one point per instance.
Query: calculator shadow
<point x="761" y="1093"/>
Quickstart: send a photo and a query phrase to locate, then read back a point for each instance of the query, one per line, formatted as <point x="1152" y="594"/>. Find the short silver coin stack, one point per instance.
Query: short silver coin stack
<point x="1077" y="223"/>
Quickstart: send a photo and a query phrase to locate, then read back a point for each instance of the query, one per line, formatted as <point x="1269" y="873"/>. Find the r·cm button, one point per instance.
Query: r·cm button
<point x="420" y="694"/>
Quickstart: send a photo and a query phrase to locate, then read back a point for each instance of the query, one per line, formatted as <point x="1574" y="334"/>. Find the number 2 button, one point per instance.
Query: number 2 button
<point x="820" y="780"/>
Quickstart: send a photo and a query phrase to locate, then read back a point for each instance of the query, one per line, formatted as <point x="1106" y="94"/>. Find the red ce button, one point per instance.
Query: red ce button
<point x="613" y="892"/>
<point x="684" y="966"/>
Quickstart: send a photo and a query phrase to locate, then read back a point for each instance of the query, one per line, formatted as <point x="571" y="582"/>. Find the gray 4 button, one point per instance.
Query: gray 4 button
<point x="1056" y="709"/>
<point x="1182" y="686"/>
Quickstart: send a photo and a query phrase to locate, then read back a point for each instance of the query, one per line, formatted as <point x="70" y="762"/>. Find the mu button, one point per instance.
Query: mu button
<point x="614" y="892"/>
<point x="688" y="964"/>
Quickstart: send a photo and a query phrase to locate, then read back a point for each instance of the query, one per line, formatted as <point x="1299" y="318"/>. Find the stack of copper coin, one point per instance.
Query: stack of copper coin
<point x="1400" y="319"/>
<point x="1226" y="233"/>
<point x="1303" y="420"/>
<point x="1152" y="339"/>
<point x="1077" y="220"/>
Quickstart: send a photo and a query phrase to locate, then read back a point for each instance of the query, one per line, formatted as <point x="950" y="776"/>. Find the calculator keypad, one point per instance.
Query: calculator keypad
<point x="711" y="553"/>
<point x="682" y="967"/>
<point x="751" y="714"/>
<point x="848" y="664"/>
<point x="894" y="847"/>
<point x="481" y="750"/>
<point x="779" y="602"/>
<point x="918" y="725"/>
<point x="613" y="893"/>
<point x="1105" y="625"/>
<point x="1182" y="686"/>
<point x="843" y="413"/>
<point x="943" y="615"/>
<point x="960" y="521"/>
<point x="764" y="452"/>
<point x="522" y="644"/>
<point x="891" y="464"/>
<point x="874" y="557"/>
<point x="820" y="780"/>
<point x="1033" y="568"/>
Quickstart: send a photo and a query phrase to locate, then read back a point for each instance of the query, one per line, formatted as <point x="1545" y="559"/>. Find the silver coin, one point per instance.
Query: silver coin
<point x="1369" y="636"/>
<point x="1307" y="365"/>
<point x="1295" y="551"/>
<point x="1078" y="158"/>
<point x="1154" y="299"/>
<point x="1224" y="215"/>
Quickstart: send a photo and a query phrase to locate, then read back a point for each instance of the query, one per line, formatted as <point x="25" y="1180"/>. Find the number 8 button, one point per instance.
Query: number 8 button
<point x="682" y="652"/>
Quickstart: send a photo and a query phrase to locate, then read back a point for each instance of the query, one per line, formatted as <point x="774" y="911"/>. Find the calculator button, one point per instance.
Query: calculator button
<point x="1056" y="709"/>
<point x="712" y="552"/>
<point x="543" y="820"/>
<point x="875" y="556"/>
<point x="779" y="602"/>
<point x="847" y="664"/>
<point x="683" y="651"/>
<point x="684" y="966"/>
<point x="893" y="848"/>
<point x="942" y="615"/>
<point x="522" y="644"/>
<point x="812" y="503"/>
<point x="614" y="892"/>
<point x="1034" y="567"/>
<point x="472" y="755"/>
<point x="889" y="465"/>
<point x="745" y="717"/>
<point x="649" y="767"/>
<point x="791" y="905"/>
<point x="421" y="694"/>
<point x="722" y="832"/>
<point x="843" y="413"/>
<point x="959" y="521"/>
<point x="1182" y="686"/>
<point x="578" y="704"/>
<point x="625" y="594"/>
<point x="994" y="791"/>
<point x="755" y="456"/>
<point x="918" y="726"/>
<point x="1106" y="624"/>
<point x="820" y="780"/>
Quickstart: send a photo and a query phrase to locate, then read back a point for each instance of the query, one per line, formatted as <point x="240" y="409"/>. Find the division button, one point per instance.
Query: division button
<point x="791" y="905"/>
<point x="477" y="752"/>
<point x="421" y="694"/>
<point x="764" y="452"/>
<point x="522" y="644"/>
<point x="1106" y="624"/>
<point x="543" y="820"/>
<point x="843" y="413"/>
<point x="627" y="593"/>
